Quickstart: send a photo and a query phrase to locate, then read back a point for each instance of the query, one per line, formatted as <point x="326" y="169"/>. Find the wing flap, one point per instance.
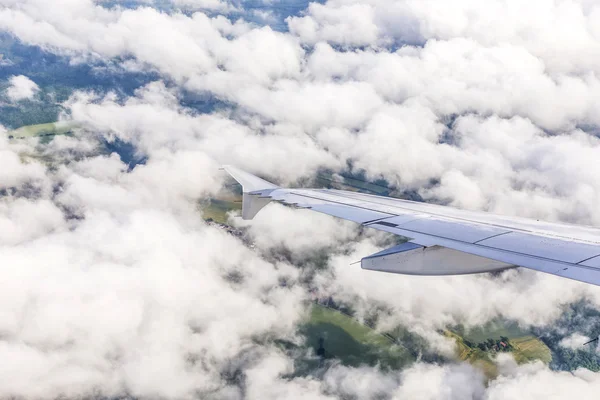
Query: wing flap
<point x="413" y="259"/>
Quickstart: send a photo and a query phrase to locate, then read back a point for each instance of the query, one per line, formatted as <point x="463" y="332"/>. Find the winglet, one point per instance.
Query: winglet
<point x="254" y="189"/>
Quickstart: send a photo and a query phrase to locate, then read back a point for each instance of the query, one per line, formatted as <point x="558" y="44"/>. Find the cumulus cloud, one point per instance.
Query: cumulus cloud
<point x="300" y="235"/>
<point x="209" y="5"/>
<point x="21" y="88"/>
<point x="116" y="286"/>
<point x="129" y="290"/>
<point x="18" y="172"/>
<point x="563" y="34"/>
<point x="350" y="24"/>
<point x="451" y="382"/>
<point x="521" y="295"/>
<point x="574" y="341"/>
<point x="168" y="127"/>
<point x="536" y="380"/>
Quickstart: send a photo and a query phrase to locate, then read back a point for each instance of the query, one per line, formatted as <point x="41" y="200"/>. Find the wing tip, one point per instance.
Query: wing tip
<point x="255" y="191"/>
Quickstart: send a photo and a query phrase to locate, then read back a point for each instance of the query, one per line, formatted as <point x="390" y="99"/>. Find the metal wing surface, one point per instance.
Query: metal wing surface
<point x="443" y="240"/>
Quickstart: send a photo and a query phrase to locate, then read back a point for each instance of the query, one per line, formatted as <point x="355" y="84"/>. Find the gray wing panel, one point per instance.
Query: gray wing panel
<point x="399" y="206"/>
<point x="463" y="232"/>
<point x="554" y="255"/>
<point x="552" y="248"/>
<point x="352" y="212"/>
<point x="360" y="216"/>
<point x="565" y="250"/>
<point x="592" y="262"/>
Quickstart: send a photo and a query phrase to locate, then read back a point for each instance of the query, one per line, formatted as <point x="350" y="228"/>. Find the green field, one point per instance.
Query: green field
<point x="352" y="342"/>
<point x="492" y="330"/>
<point x="217" y="209"/>
<point x="527" y="348"/>
<point x="476" y="357"/>
<point x="54" y="128"/>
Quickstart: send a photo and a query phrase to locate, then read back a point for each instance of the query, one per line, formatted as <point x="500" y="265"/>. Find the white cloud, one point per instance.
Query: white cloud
<point x="154" y="122"/>
<point x="563" y="34"/>
<point x="482" y="109"/>
<point x="133" y="298"/>
<point x="362" y="382"/>
<point x="21" y="88"/>
<point x="209" y="5"/>
<point x="534" y="381"/>
<point x="522" y="295"/>
<point x="16" y="170"/>
<point x="265" y="381"/>
<point x="24" y="220"/>
<point x="300" y="237"/>
<point x="350" y="24"/>
<point x="575" y="341"/>
<point x="432" y="382"/>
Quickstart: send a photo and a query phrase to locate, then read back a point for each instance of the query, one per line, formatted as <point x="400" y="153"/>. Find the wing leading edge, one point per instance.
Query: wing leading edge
<point x="448" y="240"/>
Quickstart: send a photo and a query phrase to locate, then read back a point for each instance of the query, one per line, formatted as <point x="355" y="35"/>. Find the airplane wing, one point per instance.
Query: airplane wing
<point x="442" y="240"/>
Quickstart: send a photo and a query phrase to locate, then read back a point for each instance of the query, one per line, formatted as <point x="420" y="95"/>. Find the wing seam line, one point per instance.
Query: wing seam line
<point x="587" y="259"/>
<point x="337" y="202"/>
<point x="493" y="236"/>
<point x="374" y="220"/>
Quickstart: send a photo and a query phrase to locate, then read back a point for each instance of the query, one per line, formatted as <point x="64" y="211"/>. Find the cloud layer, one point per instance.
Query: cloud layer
<point x="114" y="284"/>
